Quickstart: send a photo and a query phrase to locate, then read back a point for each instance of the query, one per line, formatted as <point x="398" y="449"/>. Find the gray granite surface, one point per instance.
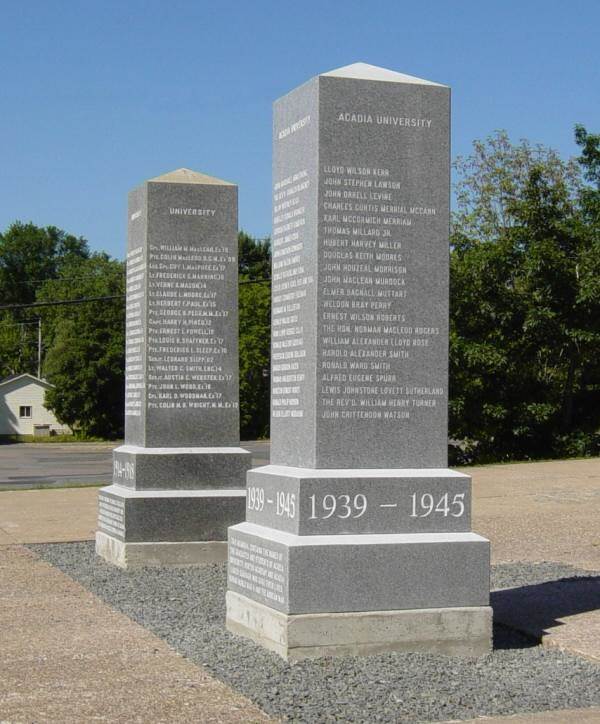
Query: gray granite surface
<point x="168" y="516"/>
<point x="182" y="337"/>
<point x="359" y="360"/>
<point x="360" y="274"/>
<point x="314" y="574"/>
<point x="328" y="502"/>
<point x="180" y="468"/>
<point x="182" y="387"/>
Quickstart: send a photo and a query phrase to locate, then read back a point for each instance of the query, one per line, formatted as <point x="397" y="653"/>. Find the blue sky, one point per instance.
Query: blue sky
<point x="97" y="96"/>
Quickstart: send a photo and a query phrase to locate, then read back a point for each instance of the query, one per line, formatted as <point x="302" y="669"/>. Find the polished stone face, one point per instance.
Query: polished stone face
<point x="360" y="275"/>
<point x="180" y="468"/>
<point x="358" y="573"/>
<point x="182" y="330"/>
<point x="330" y="502"/>
<point x="168" y="516"/>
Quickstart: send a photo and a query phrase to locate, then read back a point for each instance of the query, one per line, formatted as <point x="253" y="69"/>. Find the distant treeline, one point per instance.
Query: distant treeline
<point x="524" y="311"/>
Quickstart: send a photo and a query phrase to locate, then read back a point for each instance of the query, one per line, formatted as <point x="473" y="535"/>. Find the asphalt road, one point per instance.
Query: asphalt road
<point x="32" y="465"/>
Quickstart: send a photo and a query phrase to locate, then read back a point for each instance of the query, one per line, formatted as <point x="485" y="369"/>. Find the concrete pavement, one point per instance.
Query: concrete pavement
<point x="69" y="658"/>
<point x="562" y="716"/>
<point x="532" y="512"/>
<point x="540" y="511"/>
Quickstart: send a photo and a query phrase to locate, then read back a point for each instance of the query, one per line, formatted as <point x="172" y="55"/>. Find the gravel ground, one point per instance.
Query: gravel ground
<point x="186" y="608"/>
<point x="511" y="575"/>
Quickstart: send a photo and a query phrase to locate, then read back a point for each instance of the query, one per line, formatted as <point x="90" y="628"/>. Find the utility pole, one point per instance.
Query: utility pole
<point x="39" y="374"/>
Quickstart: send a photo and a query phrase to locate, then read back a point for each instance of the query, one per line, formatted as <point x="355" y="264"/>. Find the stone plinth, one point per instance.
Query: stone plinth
<point x="449" y="631"/>
<point x="357" y="536"/>
<point x="178" y="481"/>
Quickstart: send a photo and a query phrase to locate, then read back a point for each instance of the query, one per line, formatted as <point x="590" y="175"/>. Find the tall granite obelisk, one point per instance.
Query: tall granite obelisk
<point x="179" y="479"/>
<point x="357" y="536"/>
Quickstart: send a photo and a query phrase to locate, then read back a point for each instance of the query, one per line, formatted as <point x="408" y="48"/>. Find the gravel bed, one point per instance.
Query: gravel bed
<point x="511" y="575"/>
<point x="185" y="607"/>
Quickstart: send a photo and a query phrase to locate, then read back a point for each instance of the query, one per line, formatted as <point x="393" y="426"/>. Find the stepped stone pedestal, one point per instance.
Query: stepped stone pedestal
<point x="179" y="479"/>
<point x="358" y="537"/>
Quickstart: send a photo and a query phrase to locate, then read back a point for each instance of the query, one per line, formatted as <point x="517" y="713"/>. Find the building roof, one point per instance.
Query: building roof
<point x="33" y="378"/>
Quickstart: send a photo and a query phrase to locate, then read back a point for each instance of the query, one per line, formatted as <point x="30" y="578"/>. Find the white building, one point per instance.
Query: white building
<point x="22" y="410"/>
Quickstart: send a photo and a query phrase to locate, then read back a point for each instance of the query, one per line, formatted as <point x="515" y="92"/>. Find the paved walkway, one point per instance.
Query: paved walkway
<point x="122" y="673"/>
<point x="540" y="511"/>
<point x="68" y="657"/>
<point x="564" y="716"/>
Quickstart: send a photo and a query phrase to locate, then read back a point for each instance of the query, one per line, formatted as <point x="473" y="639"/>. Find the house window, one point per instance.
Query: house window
<point x="25" y="411"/>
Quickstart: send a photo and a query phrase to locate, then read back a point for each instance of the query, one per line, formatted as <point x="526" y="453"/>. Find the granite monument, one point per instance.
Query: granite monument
<point x="179" y="479"/>
<point x="357" y="536"/>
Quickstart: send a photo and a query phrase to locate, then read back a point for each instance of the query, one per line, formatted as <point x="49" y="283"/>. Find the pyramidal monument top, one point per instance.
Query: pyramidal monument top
<point x="185" y="176"/>
<point x="365" y="71"/>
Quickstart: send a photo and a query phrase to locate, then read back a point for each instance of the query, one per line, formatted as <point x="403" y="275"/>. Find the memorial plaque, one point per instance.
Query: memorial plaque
<point x="181" y="391"/>
<point x="358" y="510"/>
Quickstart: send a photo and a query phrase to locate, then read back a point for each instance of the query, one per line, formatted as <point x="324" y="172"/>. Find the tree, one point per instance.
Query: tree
<point x="255" y="335"/>
<point x="525" y="308"/>
<point x="15" y="346"/>
<point x="254" y="257"/>
<point x="29" y="256"/>
<point x="86" y="347"/>
<point x="493" y="178"/>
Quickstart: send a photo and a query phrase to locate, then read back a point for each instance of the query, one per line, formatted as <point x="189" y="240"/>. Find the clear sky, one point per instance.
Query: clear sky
<point x="99" y="95"/>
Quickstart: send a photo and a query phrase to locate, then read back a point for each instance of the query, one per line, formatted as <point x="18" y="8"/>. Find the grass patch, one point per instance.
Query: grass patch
<point x="10" y="439"/>
<point x="50" y="486"/>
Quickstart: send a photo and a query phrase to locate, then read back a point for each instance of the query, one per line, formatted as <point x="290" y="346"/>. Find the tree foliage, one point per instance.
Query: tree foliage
<point x="525" y="303"/>
<point x="16" y="345"/>
<point x="29" y="255"/>
<point x="86" y="347"/>
<point x="255" y="335"/>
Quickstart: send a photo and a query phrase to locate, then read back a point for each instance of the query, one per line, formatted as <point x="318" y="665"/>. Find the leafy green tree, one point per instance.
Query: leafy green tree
<point x="29" y="255"/>
<point x="255" y="335"/>
<point x="254" y="257"/>
<point x="494" y="177"/>
<point x="15" y="346"/>
<point x="86" y="347"/>
<point x="525" y="308"/>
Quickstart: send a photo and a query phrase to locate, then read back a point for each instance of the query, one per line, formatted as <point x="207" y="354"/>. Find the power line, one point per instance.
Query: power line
<point x="256" y="281"/>
<point x="34" y="282"/>
<point x="84" y="300"/>
<point x="17" y="324"/>
<point x="11" y="307"/>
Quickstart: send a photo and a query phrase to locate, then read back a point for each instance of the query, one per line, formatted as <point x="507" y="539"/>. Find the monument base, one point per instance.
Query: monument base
<point x="137" y="555"/>
<point x="345" y="573"/>
<point x="166" y="527"/>
<point x="180" y="468"/>
<point x="459" y="631"/>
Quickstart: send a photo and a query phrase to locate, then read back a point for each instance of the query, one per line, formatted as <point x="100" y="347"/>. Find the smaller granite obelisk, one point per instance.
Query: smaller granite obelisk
<point x="179" y="479"/>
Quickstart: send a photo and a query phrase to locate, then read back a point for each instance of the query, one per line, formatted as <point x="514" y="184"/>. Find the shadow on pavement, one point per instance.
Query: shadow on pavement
<point x="539" y="608"/>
